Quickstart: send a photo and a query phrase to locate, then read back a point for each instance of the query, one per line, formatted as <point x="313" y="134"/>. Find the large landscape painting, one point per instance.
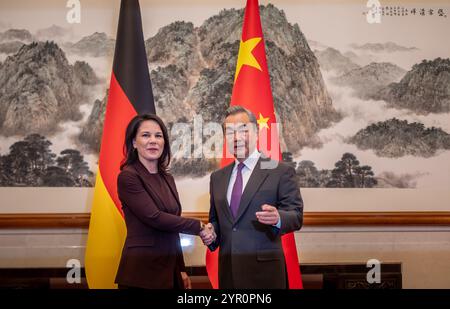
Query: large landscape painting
<point x="362" y="105"/>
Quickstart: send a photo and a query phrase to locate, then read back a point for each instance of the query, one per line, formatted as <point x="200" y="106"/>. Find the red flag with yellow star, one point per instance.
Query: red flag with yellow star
<point x="252" y="90"/>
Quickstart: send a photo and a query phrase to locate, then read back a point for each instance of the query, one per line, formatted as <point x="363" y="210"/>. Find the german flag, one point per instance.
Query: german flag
<point x="130" y="94"/>
<point x="252" y="90"/>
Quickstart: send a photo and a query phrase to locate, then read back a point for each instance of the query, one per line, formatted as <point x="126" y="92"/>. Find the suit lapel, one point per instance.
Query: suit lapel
<point x="256" y="179"/>
<point x="223" y="188"/>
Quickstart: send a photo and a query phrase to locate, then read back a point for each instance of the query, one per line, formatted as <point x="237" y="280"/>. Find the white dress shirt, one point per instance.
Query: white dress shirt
<point x="249" y="165"/>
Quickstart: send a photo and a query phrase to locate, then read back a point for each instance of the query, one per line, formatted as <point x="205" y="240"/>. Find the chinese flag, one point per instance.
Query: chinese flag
<point x="130" y="93"/>
<point x="252" y="90"/>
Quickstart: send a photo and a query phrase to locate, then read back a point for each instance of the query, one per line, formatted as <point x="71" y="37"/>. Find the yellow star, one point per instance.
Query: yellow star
<point x="262" y="122"/>
<point x="245" y="55"/>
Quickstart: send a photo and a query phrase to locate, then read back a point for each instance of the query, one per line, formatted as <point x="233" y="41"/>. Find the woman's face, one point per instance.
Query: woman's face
<point x="149" y="141"/>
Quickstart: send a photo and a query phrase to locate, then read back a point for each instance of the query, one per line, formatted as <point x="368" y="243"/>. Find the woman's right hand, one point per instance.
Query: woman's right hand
<point x="186" y="281"/>
<point x="207" y="234"/>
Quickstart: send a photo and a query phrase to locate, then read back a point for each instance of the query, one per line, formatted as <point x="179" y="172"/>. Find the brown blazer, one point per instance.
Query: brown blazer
<point x="152" y="255"/>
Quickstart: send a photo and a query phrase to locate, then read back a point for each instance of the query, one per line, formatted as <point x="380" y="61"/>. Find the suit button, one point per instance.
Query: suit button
<point x="234" y="229"/>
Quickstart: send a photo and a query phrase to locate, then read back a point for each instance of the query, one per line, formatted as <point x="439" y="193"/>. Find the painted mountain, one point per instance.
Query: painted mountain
<point x="367" y="81"/>
<point x="389" y="47"/>
<point x="95" y="45"/>
<point x="22" y="35"/>
<point x="13" y="39"/>
<point x="331" y="59"/>
<point x="54" y="33"/>
<point x="424" y="89"/>
<point x="192" y="73"/>
<point x="396" y="138"/>
<point x="39" y="89"/>
<point x="91" y="133"/>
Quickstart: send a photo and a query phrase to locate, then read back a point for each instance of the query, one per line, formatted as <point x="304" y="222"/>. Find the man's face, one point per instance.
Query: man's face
<point x="240" y="135"/>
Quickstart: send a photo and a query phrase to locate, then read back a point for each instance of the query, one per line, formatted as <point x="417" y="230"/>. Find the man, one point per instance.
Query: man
<point x="253" y="202"/>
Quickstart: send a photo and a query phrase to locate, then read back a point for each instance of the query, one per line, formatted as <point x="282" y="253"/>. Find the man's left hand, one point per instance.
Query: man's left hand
<point x="269" y="215"/>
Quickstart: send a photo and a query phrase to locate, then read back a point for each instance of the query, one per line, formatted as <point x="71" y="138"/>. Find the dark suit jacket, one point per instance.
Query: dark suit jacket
<point x="251" y="253"/>
<point x="152" y="255"/>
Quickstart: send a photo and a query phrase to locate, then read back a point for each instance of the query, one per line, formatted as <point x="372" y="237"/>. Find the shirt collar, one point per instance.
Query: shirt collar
<point x="250" y="162"/>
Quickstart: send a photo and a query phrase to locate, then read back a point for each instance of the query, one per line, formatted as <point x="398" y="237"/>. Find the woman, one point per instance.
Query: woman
<point x="152" y="255"/>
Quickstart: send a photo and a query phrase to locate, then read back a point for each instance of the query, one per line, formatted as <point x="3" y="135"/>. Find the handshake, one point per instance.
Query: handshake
<point x="207" y="234"/>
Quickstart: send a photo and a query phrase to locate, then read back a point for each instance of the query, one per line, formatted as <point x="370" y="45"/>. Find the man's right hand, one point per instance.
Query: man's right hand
<point x="207" y="234"/>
